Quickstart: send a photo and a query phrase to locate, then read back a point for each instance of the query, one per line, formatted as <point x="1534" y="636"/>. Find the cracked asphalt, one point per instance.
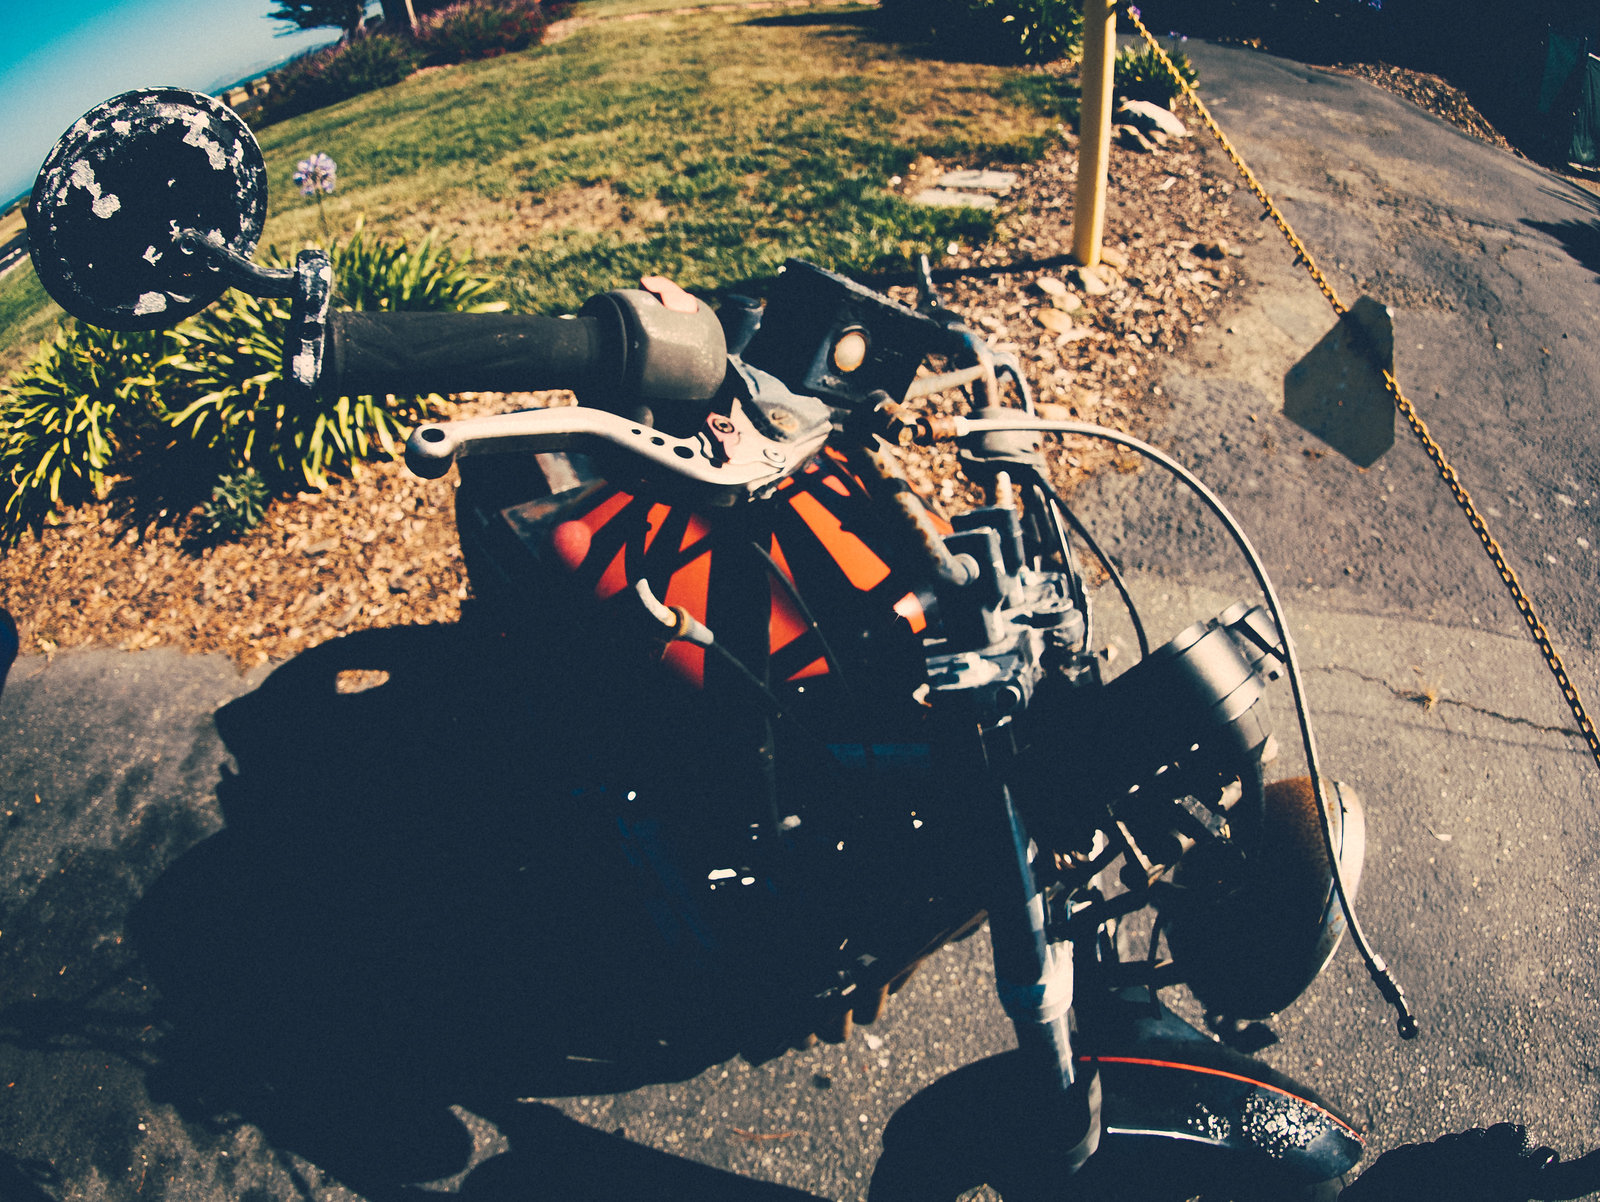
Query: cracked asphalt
<point x="121" y="826"/>
<point x="1427" y="692"/>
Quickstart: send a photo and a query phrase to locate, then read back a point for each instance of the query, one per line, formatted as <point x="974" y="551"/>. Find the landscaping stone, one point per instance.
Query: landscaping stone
<point x="999" y="182"/>
<point x="1088" y="281"/>
<point x="1147" y="116"/>
<point x="947" y="198"/>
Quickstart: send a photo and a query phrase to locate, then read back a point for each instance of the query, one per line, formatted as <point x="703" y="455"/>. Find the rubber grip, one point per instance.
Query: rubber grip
<point x="413" y="353"/>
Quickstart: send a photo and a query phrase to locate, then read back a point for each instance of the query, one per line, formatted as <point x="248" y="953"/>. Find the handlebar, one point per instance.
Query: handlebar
<point x="623" y="344"/>
<point x="461" y="352"/>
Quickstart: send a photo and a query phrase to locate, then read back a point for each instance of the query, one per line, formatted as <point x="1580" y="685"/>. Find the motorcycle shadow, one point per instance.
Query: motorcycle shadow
<point x="411" y="907"/>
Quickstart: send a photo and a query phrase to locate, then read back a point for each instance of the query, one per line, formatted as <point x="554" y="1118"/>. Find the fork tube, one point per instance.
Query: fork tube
<point x="1032" y="975"/>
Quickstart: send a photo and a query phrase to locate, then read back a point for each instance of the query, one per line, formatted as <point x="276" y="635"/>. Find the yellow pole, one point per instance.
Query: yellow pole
<point x="1094" y="129"/>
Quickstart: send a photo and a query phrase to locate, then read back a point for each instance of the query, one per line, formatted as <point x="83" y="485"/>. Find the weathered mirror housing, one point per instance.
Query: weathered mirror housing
<point x="119" y="187"/>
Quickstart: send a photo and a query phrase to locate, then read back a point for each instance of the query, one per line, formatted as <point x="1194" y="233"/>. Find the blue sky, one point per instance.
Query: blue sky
<point x="59" y="58"/>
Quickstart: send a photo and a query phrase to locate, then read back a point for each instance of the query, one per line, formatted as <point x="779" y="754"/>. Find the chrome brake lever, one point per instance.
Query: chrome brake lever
<point x="729" y="455"/>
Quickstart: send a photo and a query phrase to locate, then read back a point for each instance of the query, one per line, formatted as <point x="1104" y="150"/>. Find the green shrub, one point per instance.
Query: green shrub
<point x="69" y="416"/>
<point x="1032" y="31"/>
<point x="238" y="503"/>
<point x="473" y="29"/>
<point x="314" y="81"/>
<point x="383" y="274"/>
<point x="209" y="392"/>
<point x="1141" y="75"/>
<point x="227" y="368"/>
<point x="228" y="359"/>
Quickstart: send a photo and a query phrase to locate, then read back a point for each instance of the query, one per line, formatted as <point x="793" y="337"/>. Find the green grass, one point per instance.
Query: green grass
<point x="617" y="8"/>
<point x="704" y="146"/>
<point x="1049" y="95"/>
<point x="27" y="316"/>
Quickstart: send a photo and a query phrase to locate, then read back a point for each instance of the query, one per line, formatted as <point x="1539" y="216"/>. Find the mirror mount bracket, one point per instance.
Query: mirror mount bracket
<point x="311" y="286"/>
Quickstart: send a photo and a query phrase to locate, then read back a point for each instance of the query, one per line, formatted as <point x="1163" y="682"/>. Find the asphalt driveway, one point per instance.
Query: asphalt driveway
<point x="335" y="1019"/>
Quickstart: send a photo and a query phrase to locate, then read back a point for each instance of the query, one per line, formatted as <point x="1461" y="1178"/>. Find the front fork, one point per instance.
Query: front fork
<point x="1033" y="976"/>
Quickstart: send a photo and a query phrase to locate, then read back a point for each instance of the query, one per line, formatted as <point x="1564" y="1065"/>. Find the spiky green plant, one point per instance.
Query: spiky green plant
<point x="228" y="361"/>
<point x="1141" y="75"/>
<point x="238" y="503"/>
<point x="68" y="415"/>
<point x="212" y="386"/>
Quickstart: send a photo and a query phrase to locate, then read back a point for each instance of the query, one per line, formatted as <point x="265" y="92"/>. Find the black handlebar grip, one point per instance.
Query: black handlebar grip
<point x="412" y="353"/>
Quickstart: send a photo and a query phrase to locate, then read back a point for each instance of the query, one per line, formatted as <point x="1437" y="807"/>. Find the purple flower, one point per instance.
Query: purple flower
<point x="1134" y="12"/>
<point x="316" y="174"/>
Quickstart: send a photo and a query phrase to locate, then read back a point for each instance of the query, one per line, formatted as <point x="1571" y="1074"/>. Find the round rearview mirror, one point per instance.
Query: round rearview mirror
<point x="122" y="184"/>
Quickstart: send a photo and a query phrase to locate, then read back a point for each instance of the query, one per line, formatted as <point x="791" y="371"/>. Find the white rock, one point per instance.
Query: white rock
<point x="1152" y="116"/>
<point x="1088" y="281"/>
<point x="979" y="181"/>
<point x="945" y="198"/>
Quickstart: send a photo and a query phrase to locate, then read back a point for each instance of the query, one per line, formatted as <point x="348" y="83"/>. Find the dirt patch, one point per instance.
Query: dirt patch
<point x="377" y="549"/>
<point x="508" y="227"/>
<point x="380" y="549"/>
<point x="1174" y="252"/>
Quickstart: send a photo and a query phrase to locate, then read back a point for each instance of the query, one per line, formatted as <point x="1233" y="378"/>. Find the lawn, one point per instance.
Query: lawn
<point x="706" y="146"/>
<point x="27" y="316"/>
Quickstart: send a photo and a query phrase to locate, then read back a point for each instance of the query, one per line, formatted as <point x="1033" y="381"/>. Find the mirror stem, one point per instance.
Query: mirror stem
<point x="239" y="271"/>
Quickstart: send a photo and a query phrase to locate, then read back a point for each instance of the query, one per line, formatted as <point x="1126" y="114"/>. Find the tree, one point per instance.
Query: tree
<point x="348" y="15"/>
<point x="399" y="17"/>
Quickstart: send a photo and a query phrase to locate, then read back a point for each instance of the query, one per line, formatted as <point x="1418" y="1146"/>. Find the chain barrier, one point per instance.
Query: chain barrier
<point x="1408" y="411"/>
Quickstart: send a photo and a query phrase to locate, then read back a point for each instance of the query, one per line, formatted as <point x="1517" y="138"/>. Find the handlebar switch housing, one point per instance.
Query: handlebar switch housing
<point x="829" y="337"/>
<point x="666" y="354"/>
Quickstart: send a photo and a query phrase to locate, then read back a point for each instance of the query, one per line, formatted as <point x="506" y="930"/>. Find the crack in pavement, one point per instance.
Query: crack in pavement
<point x="1427" y="699"/>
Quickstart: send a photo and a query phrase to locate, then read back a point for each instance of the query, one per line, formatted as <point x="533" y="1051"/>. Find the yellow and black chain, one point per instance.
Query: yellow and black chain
<point x="1408" y="411"/>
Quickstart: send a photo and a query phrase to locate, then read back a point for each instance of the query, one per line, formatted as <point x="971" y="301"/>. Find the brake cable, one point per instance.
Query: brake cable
<point x="1112" y="573"/>
<point x="933" y="429"/>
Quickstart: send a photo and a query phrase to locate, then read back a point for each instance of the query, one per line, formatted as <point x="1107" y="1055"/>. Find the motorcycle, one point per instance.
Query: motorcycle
<point x="832" y="728"/>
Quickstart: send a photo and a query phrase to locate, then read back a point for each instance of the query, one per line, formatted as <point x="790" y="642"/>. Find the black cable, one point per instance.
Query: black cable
<point x="1079" y="594"/>
<point x="1023" y="390"/>
<point x="1377" y="968"/>
<point x="805" y="612"/>
<point x="1121" y="585"/>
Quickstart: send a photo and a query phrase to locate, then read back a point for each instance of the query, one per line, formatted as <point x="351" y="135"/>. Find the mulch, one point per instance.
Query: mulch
<point x="1432" y="95"/>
